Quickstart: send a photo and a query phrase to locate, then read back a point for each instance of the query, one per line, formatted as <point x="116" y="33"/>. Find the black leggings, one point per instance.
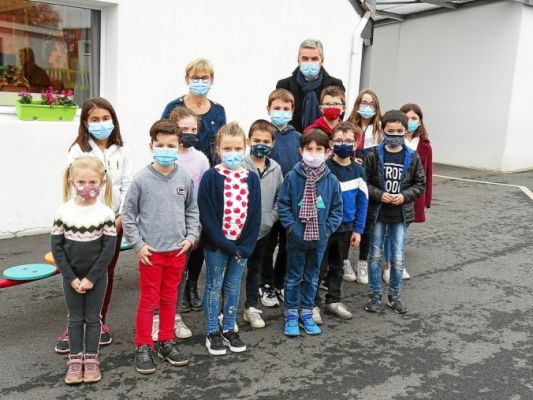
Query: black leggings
<point x="364" y="246"/>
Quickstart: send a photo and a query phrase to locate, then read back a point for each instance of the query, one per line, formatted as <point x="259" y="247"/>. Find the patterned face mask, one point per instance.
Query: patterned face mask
<point x="88" y="192"/>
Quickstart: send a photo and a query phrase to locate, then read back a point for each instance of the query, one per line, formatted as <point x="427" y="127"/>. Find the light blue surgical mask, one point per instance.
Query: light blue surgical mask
<point x="412" y="125"/>
<point x="310" y="69"/>
<point x="165" y="156"/>
<point x="101" y="130"/>
<point x="199" y="88"/>
<point x="233" y="159"/>
<point x="280" y="118"/>
<point x="366" y="112"/>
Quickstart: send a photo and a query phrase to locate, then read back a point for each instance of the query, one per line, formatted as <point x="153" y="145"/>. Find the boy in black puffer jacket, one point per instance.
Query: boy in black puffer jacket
<point x="395" y="179"/>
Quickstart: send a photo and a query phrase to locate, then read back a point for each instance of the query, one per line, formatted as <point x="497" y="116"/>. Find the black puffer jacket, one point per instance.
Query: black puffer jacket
<point x="412" y="185"/>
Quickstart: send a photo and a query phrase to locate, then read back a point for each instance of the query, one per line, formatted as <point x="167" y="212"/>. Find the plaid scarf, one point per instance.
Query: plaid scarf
<point x="308" y="211"/>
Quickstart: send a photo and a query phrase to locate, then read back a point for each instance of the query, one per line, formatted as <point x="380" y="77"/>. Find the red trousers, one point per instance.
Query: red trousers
<point x="158" y="285"/>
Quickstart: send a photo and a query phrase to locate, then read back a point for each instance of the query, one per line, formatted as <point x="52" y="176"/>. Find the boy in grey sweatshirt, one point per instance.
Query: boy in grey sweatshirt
<point x="161" y="221"/>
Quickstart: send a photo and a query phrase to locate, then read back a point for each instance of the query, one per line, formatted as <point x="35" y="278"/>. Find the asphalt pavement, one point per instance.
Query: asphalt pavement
<point x="467" y="335"/>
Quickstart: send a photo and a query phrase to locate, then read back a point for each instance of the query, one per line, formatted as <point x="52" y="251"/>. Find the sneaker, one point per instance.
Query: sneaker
<point x="396" y="304"/>
<point x="75" y="369"/>
<point x="349" y="273"/>
<point x="168" y="351"/>
<point x="268" y="296"/>
<point x="362" y="272"/>
<point x="316" y="316"/>
<point x="105" y="335"/>
<point x="62" y="346"/>
<point x="405" y="274"/>
<point x="309" y="326"/>
<point x="221" y="323"/>
<point x="180" y="329"/>
<point x="232" y="340"/>
<point x="253" y="316"/>
<point x="214" y="344"/>
<point x="280" y="294"/>
<point x="338" y="310"/>
<point x="323" y="285"/>
<point x="155" y="328"/>
<point x="291" y="326"/>
<point x="144" y="360"/>
<point x="386" y="275"/>
<point x="91" y="368"/>
<point x="374" y="303"/>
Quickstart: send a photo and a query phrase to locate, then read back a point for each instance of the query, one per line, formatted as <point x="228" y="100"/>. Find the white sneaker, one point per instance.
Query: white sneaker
<point x="362" y="272"/>
<point x="280" y="294"/>
<point x="316" y="316"/>
<point x="339" y="310"/>
<point x="221" y="323"/>
<point x="180" y="329"/>
<point x="268" y="296"/>
<point x="386" y="275"/>
<point x="349" y="273"/>
<point x="253" y="316"/>
<point x="405" y="274"/>
<point x="155" y="328"/>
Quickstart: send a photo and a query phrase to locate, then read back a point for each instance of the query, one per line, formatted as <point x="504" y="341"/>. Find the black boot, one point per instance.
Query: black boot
<point x="185" y="304"/>
<point x="196" y="300"/>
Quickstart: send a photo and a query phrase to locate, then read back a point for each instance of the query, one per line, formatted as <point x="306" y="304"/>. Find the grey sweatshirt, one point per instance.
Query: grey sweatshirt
<point x="271" y="181"/>
<point x="160" y="211"/>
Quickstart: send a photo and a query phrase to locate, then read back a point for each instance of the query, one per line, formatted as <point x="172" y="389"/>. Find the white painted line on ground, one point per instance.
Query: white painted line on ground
<point x="524" y="189"/>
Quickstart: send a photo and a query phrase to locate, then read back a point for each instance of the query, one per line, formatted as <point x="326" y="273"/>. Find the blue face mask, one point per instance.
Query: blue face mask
<point x="101" y="130"/>
<point x="412" y="125"/>
<point x="366" y="112"/>
<point x="233" y="159"/>
<point x="260" y="150"/>
<point x="310" y="69"/>
<point x="199" y="88"/>
<point x="280" y="118"/>
<point x="393" y="140"/>
<point x="165" y="156"/>
<point x="343" y="150"/>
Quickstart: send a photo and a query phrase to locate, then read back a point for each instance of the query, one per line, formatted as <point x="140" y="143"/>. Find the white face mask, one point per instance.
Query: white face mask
<point x="314" y="160"/>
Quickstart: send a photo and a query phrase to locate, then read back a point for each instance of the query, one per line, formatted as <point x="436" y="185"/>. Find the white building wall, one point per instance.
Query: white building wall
<point x="146" y="46"/>
<point x="460" y="68"/>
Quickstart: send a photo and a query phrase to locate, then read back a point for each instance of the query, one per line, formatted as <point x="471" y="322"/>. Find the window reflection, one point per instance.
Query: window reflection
<point x="43" y="45"/>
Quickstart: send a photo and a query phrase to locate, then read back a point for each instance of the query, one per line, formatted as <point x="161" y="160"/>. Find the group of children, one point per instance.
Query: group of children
<point x="311" y="196"/>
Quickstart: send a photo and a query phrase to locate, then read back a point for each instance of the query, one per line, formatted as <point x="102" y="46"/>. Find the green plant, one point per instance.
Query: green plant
<point x="61" y="99"/>
<point x="24" y="97"/>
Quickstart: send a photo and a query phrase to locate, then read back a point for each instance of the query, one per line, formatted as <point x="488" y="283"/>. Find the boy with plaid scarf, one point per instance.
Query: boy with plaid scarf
<point x="310" y="209"/>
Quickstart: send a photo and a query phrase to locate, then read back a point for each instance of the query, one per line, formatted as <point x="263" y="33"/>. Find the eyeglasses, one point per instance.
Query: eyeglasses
<point x="333" y="105"/>
<point x="196" y="79"/>
<point x="365" y="103"/>
<point x="349" y="142"/>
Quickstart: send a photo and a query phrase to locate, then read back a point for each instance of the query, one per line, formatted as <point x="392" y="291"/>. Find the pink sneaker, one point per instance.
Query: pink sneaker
<point x="62" y="346"/>
<point x="91" y="371"/>
<point x="75" y="369"/>
<point x="105" y="335"/>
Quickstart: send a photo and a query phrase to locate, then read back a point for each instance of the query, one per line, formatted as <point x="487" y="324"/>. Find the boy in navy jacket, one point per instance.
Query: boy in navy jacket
<point x="352" y="178"/>
<point x="310" y="209"/>
<point x="395" y="179"/>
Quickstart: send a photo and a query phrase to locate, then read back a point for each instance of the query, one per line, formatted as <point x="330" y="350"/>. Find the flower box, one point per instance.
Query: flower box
<point x="42" y="112"/>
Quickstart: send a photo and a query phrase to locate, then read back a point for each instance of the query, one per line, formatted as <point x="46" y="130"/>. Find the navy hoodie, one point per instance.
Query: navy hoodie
<point x="285" y="151"/>
<point x="329" y="206"/>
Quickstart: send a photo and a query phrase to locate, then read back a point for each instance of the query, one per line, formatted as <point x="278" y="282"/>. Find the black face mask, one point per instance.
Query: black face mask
<point x="189" y="139"/>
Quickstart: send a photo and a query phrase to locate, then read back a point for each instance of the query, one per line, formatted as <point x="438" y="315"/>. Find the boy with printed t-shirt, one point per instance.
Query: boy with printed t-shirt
<point x="332" y="105"/>
<point x="395" y="179"/>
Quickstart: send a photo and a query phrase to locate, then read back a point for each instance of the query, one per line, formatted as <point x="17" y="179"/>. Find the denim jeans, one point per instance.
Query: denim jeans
<point x="397" y="234"/>
<point x="225" y="270"/>
<point x="387" y="246"/>
<point x="253" y="272"/>
<point x="301" y="281"/>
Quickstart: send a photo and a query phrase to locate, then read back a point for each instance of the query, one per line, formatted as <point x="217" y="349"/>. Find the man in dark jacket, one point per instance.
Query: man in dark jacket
<point x="306" y="83"/>
<point x="395" y="179"/>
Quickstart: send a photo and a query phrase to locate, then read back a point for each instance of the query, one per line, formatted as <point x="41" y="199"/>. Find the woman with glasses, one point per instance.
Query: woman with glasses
<point x="366" y="114"/>
<point x="199" y="75"/>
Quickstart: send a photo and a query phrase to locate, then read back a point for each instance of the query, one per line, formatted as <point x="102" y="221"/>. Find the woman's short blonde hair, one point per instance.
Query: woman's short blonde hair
<point x="200" y="64"/>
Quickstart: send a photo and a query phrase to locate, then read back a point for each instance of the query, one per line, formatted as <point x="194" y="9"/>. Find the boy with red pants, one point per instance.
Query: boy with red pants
<point x="161" y="222"/>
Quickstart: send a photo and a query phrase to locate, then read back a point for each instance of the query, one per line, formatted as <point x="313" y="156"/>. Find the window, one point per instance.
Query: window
<point x="43" y="45"/>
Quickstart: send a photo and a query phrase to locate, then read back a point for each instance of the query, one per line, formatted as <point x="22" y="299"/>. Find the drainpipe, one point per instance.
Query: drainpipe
<point x="356" y="59"/>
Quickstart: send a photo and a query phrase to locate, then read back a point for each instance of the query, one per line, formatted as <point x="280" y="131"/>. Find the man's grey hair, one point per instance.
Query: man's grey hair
<point x="312" y="44"/>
